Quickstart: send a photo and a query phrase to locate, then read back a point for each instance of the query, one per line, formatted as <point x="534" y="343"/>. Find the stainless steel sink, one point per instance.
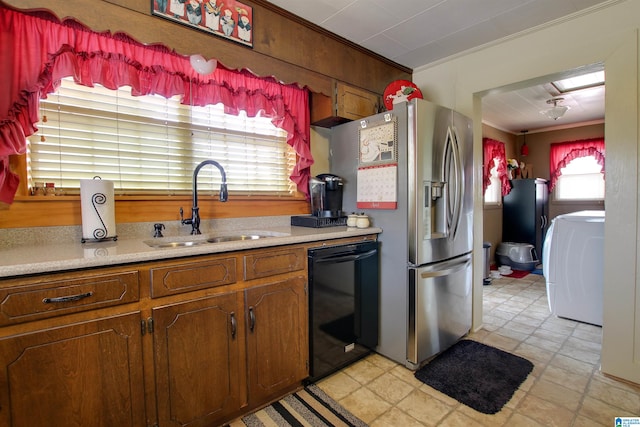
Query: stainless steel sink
<point x="233" y="238"/>
<point x="174" y="244"/>
<point x="182" y="242"/>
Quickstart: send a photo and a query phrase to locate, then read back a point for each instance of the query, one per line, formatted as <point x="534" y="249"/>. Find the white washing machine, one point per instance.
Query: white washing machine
<point x="573" y="266"/>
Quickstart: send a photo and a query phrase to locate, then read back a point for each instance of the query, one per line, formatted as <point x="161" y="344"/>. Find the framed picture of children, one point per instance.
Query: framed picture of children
<point x="229" y="19"/>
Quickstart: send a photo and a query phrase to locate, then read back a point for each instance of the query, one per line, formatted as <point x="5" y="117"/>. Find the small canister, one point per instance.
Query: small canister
<point x="352" y="220"/>
<point x="362" y="221"/>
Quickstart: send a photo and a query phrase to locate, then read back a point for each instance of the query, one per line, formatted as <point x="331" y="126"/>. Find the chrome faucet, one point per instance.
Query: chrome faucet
<point x="195" y="215"/>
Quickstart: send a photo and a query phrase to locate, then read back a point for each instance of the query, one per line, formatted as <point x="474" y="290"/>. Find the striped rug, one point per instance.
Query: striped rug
<point x="308" y="407"/>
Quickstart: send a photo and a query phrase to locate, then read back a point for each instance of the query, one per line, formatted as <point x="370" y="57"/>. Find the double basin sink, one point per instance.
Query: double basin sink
<point x="181" y="242"/>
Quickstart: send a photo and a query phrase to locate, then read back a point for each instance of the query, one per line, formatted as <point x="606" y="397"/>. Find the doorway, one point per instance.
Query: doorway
<point x="513" y="115"/>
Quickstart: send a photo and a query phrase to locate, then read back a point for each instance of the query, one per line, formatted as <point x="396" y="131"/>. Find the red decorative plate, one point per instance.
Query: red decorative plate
<point x="400" y="91"/>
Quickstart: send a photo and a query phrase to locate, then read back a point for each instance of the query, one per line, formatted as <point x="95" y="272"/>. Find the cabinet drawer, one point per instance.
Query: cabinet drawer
<point x="190" y="276"/>
<point x="270" y="263"/>
<point x="31" y="301"/>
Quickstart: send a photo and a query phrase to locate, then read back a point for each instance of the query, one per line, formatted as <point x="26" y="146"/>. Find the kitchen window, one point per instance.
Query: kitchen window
<point x="151" y="144"/>
<point x="493" y="192"/>
<point x="576" y="169"/>
<point x="581" y="179"/>
<point x="45" y="49"/>
<point x="494" y="176"/>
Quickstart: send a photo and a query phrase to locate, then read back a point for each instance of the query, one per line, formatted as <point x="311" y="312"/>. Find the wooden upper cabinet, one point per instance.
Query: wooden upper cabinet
<point x="346" y="103"/>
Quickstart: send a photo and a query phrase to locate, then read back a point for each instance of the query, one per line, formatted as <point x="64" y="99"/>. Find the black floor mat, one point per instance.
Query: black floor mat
<point x="482" y="377"/>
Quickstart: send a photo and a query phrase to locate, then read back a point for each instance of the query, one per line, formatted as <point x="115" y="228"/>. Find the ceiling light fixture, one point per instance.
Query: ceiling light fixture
<point x="556" y="111"/>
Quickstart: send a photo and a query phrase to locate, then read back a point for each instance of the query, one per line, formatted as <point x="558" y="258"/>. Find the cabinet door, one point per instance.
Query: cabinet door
<point x="277" y="336"/>
<point x="346" y="103"/>
<point x="519" y="212"/>
<point x="85" y="374"/>
<point x="354" y="103"/>
<point x="525" y="213"/>
<point x="197" y="360"/>
<point x="542" y="216"/>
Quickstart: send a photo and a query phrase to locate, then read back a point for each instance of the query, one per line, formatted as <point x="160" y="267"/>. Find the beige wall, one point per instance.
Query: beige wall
<point x="543" y="54"/>
<point x="320" y="150"/>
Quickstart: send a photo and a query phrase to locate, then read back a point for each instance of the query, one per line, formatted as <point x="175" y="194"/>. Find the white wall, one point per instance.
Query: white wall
<point x="606" y="35"/>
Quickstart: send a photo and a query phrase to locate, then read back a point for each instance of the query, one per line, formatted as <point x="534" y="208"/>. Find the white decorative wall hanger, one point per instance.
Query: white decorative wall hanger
<point x="202" y="66"/>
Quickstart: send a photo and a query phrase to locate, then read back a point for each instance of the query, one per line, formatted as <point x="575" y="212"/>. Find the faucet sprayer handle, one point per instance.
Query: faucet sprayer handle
<point x="224" y="194"/>
<point x="182" y="220"/>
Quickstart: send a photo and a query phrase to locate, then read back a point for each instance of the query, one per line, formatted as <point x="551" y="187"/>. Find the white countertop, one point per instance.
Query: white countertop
<point x="71" y="255"/>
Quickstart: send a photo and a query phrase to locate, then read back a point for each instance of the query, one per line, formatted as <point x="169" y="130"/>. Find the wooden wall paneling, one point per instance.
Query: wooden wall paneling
<point x="58" y="211"/>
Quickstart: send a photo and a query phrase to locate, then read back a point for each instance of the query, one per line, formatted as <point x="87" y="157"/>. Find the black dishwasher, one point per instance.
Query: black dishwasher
<point x="343" y="305"/>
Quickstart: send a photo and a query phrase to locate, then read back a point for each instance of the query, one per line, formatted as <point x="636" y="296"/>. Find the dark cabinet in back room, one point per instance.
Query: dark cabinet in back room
<point x="525" y="213"/>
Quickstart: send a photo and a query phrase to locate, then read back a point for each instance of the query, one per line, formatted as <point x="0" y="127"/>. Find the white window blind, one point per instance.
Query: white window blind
<point x="581" y="179"/>
<point x="150" y="144"/>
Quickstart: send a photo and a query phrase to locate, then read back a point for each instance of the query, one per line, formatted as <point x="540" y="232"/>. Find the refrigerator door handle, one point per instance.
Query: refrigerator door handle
<point x="454" y="267"/>
<point x="453" y="175"/>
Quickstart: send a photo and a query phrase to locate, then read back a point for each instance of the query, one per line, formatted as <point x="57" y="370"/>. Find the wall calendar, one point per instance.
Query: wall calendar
<point x="377" y="187"/>
<point x="377" y="179"/>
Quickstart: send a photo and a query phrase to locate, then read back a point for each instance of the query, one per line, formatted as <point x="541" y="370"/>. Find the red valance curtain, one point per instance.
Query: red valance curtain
<point x="493" y="150"/>
<point x="561" y="153"/>
<point x="37" y="50"/>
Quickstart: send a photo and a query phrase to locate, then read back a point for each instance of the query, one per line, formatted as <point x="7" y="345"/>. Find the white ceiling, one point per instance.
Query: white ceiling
<point x="514" y="110"/>
<point x="414" y="33"/>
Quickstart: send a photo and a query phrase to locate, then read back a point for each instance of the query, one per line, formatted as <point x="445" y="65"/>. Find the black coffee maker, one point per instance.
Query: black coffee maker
<point x="325" y="191"/>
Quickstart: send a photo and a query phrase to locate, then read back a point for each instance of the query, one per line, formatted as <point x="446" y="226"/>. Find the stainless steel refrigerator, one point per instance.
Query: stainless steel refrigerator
<point x="421" y="170"/>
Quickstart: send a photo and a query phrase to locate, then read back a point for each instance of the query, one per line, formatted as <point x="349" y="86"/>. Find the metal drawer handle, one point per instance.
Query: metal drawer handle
<point x="70" y="298"/>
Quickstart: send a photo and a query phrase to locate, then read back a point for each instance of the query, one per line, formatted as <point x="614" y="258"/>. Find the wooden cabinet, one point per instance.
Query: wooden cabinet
<point x="241" y="348"/>
<point x="84" y="374"/>
<point x="346" y="103"/>
<point x="277" y="337"/>
<point x="198" y="349"/>
<point x="71" y="349"/>
<point x="525" y="213"/>
<point x="193" y="341"/>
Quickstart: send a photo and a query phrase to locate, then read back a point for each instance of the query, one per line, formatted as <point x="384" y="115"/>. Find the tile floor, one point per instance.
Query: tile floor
<point x="565" y="388"/>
